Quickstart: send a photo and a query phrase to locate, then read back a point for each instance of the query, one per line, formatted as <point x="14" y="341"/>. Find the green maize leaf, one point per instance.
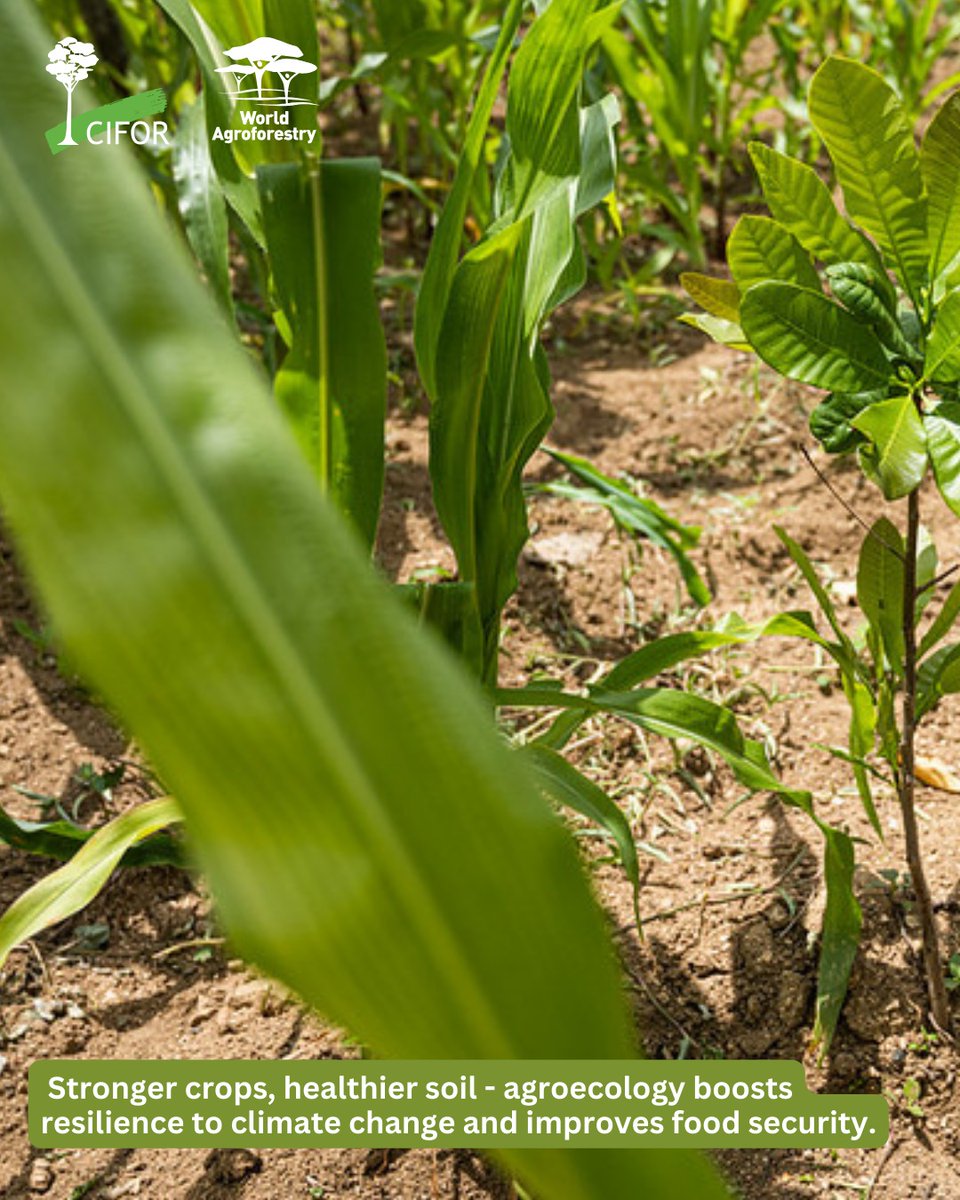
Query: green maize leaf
<point x="543" y="97"/>
<point x="444" y="253"/>
<point x="830" y="420"/>
<point x="671" y="714"/>
<point x="726" y="333"/>
<point x="844" y="653"/>
<point x="807" y="337"/>
<point x="71" y="887"/>
<point x="491" y="403"/>
<point x="943" y="441"/>
<point x="940" y="164"/>
<point x="233" y="24"/>
<point x="598" y="153"/>
<point x="201" y="201"/>
<point x="634" y="514"/>
<point x="800" y="200"/>
<point x="760" y="249"/>
<point x="295" y="21"/>
<point x="842" y="922"/>
<point x="871" y="143"/>
<point x="812" y="580"/>
<point x="62" y="839"/>
<point x="463" y="365"/>
<point x="564" y="784"/>
<point x="897" y="459"/>
<point x="322" y="225"/>
<point x="449" y="608"/>
<point x="880" y="588"/>
<point x="238" y="187"/>
<point x="665" y="653"/>
<point x="369" y="839"/>
<point x="719" y="297"/>
<point x="398" y="19"/>
<point x="942" y="363"/>
<point x="942" y="623"/>
<point x="424" y="44"/>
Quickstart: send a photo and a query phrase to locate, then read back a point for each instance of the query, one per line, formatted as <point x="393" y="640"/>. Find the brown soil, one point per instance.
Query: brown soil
<point x="728" y="964"/>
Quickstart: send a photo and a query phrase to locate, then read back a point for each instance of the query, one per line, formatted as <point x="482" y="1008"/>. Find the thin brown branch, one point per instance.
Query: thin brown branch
<point x="844" y="504"/>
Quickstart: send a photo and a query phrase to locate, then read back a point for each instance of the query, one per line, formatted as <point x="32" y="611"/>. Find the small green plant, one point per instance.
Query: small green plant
<point x="876" y="327"/>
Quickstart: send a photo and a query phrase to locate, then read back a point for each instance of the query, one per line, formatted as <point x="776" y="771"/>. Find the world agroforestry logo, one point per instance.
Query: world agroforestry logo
<point x="283" y="63"/>
<point x="71" y="62"/>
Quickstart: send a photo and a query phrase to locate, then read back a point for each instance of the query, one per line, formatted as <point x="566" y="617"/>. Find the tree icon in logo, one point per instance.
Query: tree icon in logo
<point x="70" y="63"/>
<point x="265" y="54"/>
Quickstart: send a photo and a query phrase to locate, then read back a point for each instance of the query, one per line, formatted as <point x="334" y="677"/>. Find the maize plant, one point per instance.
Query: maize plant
<point x="865" y="305"/>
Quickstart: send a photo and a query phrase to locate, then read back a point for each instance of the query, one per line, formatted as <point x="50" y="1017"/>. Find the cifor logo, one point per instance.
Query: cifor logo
<point x="263" y="56"/>
<point x="71" y="62"/>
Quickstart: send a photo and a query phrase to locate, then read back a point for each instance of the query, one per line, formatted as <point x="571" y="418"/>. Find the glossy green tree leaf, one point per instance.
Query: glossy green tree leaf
<point x="807" y="337"/>
<point x="726" y="333"/>
<point x="866" y="294"/>
<point x="880" y="587"/>
<point x="860" y="118"/>
<point x="830" y="420"/>
<point x="943" y="622"/>
<point x="800" y="200"/>
<point x="942" y="364"/>
<point x="938" y="676"/>
<point x="943" y="440"/>
<point x="368" y="837"/>
<point x="322" y="226"/>
<point x="760" y="249"/>
<point x="719" y="297"/>
<point x="940" y="164"/>
<point x="71" y="887"/>
<point x="897" y="458"/>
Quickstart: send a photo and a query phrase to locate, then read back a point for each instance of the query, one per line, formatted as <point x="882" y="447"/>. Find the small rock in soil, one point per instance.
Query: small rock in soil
<point x="233" y="1166"/>
<point x="130" y="1187"/>
<point x="566" y="549"/>
<point x="41" y="1175"/>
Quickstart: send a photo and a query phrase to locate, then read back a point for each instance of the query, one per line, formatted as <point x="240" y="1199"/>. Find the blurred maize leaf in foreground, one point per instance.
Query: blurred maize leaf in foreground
<point x="368" y="838"/>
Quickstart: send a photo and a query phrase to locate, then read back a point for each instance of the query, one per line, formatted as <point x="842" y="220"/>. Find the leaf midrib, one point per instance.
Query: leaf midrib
<point x="241" y="591"/>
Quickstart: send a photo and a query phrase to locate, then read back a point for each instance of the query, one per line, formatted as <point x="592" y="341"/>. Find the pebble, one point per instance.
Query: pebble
<point x="202" y="1011"/>
<point x="130" y="1187"/>
<point x="48" y="1010"/>
<point x="226" y="1020"/>
<point x="3" y="1063"/>
<point x="41" y="1175"/>
<point x="233" y="1166"/>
